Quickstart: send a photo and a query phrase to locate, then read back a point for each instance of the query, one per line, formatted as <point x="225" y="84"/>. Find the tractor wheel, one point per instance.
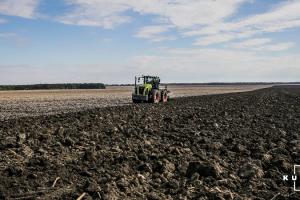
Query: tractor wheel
<point x="164" y="96"/>
<point x="155" y="96"/>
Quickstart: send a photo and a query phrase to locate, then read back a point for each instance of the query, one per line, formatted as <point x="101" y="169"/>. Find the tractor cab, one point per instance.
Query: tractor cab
<point x="154" y="81"/>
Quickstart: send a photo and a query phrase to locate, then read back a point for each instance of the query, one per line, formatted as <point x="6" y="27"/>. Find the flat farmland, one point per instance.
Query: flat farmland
<point x="228" y="146"/>
<point x="15" y="104"/>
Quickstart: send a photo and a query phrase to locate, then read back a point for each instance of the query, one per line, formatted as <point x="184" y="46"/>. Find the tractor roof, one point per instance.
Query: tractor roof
<point x="149" y="76"/>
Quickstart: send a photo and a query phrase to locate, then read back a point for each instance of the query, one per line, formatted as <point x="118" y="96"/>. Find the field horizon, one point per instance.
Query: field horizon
<point x="22" y="103"/>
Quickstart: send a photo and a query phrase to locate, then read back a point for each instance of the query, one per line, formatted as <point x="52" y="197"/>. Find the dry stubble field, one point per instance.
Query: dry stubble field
<point x="44" y="102"/>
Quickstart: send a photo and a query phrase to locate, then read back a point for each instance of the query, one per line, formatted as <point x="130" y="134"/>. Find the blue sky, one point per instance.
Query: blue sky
<point x="55" y="41"/>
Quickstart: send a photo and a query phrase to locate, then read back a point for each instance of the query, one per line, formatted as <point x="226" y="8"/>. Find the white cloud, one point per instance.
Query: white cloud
<point x="19" y="8"/>
<point x="262" y="44"/>
<point x="277" y="27"/>
<point x="283" y="13"/>
<point x="150" y="31"/>
<point x="173" y="65"/>
<point x="187" y="13"/>
<point x="275" y="47"/>
<point x="252" y="43"/>
<point x="103" y="13"/>
<point x="214" y="39"/>
<point x="283" y="17"/>
<point x="208" y="64"/>
<point x="163" y="38"/>
<point x="205" y="19"/>
<point x="222" y="38"/>
<point x="154" y="33"/>
<point x="180" y="13"/>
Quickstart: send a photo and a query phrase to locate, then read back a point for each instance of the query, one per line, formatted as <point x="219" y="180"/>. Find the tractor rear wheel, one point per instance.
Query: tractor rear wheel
<point x="155" y="96"/>
<point x="164" y="96"/>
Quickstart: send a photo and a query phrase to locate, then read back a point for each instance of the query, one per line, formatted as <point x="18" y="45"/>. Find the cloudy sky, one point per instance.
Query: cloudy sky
<point x="55" y="41"/>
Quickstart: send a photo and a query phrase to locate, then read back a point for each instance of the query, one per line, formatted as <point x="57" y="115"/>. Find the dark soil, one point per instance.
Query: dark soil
<point x="231" y="146"/>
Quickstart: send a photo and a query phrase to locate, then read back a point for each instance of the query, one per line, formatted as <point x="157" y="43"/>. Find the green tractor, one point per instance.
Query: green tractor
<point x="146" y="89"/>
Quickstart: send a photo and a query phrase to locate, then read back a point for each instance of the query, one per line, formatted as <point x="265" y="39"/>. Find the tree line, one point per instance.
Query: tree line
<point x="54" y="86"/>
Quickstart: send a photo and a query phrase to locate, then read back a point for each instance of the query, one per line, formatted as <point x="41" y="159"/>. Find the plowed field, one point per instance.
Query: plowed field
<point x="225" y="146"/>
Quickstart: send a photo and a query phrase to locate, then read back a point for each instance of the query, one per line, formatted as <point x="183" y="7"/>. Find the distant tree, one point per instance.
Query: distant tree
<point x="54" y="86"/>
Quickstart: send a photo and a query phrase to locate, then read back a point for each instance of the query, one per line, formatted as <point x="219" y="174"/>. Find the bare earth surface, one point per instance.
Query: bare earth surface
<point x="44" y="102"/>
<point x="232" y="146"/>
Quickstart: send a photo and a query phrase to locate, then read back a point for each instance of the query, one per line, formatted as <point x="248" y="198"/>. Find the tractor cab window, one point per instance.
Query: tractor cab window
<point x="149" y="80"/>
<point x="154" y="81"/>
<point x="140" y="81"/>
